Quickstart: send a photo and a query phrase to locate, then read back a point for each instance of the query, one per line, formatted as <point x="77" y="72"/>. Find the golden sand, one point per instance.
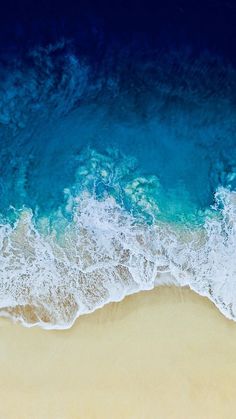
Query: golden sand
<point x="166" y="353"/>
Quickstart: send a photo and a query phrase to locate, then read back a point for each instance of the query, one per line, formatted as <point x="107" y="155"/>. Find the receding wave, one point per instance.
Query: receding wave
<point x="103" y="254"/>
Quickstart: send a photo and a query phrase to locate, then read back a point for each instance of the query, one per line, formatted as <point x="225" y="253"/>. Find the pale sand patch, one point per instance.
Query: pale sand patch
<point x="166" y="353"/>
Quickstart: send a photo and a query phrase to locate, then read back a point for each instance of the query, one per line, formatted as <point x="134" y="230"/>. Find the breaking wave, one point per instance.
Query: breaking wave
<point x="50" y="276"/>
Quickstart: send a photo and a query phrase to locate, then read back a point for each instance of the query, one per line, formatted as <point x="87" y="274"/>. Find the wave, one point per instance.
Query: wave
<point x="49" y="277"/>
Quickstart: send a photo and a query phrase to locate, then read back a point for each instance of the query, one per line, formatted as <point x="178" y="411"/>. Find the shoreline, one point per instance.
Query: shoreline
<point x="156" y="354"/>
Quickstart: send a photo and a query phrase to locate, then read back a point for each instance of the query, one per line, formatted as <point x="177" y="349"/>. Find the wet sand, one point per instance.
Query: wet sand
<point x="166" y="353"/>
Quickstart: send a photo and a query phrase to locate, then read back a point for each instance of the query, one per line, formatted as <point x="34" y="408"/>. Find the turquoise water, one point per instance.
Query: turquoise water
<point x="114" y="178"/>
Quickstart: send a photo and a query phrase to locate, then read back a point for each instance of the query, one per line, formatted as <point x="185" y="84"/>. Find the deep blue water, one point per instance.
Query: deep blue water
<point x="172" y="113"/>
<point x="105" y="109"/>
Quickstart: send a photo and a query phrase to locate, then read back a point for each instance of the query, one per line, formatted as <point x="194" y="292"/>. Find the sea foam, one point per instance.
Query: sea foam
<point x="104" y="254"/>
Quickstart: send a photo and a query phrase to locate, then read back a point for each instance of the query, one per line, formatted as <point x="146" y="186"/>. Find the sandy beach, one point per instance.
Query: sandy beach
<point x="166" y="353"/>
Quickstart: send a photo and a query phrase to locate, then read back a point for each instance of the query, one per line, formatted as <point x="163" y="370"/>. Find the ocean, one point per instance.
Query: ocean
<point x="117" y="156"/>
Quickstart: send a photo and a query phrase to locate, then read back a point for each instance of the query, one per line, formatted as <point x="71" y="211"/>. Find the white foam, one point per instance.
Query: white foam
<point x="105" y="254"/>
